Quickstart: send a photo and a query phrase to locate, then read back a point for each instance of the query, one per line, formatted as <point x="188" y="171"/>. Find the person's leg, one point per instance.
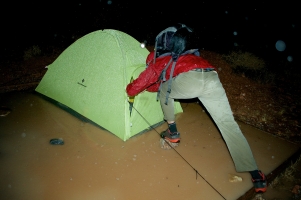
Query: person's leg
<point x="214" y="99"/>
<point x="207" y="87"/>
<point x="184" y="86"/>
<point x="180" y="86"/>
<point x="216" y="102"/>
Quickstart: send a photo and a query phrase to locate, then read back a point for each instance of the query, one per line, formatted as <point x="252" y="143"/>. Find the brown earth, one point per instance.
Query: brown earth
<point x="270" y="107"/>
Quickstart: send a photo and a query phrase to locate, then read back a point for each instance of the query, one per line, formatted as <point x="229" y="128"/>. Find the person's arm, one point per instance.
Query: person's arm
<point x="145" y="79"/>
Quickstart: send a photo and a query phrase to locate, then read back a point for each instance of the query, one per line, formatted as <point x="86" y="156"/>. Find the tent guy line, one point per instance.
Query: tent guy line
<point x="196" y="171"/>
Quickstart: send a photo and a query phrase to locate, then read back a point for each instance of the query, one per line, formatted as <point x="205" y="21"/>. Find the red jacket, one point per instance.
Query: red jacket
<point x="149" y="78"/>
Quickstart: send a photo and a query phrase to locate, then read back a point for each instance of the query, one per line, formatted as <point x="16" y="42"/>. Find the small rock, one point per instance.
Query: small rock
<point x="57" y="141"/>
<point x="234" y="178"/>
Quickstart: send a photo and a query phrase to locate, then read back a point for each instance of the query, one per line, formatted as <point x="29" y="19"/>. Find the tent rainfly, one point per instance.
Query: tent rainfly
<point x="90" y="77"/>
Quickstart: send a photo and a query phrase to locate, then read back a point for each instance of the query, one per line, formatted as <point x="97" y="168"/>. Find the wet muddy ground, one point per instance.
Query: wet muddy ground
<point x="95" y="164"/>
<point x="33" y="168"/>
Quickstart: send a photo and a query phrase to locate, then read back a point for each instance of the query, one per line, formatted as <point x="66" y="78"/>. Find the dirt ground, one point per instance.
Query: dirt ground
<point x="270" y="107"/>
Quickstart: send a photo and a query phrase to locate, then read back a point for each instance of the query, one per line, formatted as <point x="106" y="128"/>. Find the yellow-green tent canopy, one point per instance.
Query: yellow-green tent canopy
<point x="91" y="75"/>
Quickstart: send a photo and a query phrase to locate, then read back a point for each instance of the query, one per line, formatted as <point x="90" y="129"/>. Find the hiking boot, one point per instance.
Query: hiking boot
<point x="172" y="137"/>
<point x="260" y="185"/>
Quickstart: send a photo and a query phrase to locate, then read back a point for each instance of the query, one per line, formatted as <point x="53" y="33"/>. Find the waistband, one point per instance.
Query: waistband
<point x="204" y="70"/>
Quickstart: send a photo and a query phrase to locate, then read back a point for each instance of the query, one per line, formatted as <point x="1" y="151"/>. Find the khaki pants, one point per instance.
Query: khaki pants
<point x="207" y="87"/>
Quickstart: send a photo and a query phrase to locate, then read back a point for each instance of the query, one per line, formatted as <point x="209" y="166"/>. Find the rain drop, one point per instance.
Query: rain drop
<point x="280" y="45"/>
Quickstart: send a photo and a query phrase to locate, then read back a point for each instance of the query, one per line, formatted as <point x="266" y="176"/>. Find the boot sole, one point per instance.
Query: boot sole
<point x="177" y="140"/>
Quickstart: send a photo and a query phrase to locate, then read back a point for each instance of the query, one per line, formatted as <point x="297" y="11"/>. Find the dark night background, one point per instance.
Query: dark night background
<point x="258" y="24"/>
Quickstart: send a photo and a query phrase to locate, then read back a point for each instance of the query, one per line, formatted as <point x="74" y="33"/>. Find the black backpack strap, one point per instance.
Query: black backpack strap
<point x="174" y="58"/>
<point x="170" y="80"/>
<point x="192" y="51"/>
<point x="162" y="77"/>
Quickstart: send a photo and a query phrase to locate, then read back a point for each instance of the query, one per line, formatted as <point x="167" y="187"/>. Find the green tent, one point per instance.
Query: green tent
<point x="90" y="77"/>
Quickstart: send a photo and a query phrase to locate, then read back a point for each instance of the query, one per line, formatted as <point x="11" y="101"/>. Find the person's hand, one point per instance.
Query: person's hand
<point x="131" y="99"/>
